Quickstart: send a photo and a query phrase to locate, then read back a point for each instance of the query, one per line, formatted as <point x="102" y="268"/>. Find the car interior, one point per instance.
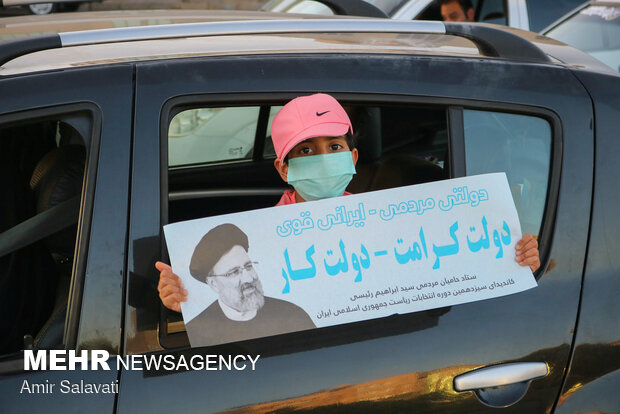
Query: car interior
<point x="43" y="163"/>
<point x="398" y="145"/>
<point x="43" y="166"/>
<point x="388" y="158"/>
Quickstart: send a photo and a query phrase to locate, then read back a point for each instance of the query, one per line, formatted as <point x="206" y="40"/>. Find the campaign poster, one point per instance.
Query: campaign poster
<point x="347" y="259"/>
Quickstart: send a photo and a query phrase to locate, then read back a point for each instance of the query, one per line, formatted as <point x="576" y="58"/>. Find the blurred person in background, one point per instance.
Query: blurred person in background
<point x="457" y="10"/>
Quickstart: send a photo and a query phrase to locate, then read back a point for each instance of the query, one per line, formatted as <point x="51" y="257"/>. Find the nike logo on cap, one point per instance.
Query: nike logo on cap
<point x="321" y="113"/>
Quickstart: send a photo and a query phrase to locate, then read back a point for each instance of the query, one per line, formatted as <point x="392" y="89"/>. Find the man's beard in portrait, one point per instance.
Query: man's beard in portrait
<point x="251" y="296"/>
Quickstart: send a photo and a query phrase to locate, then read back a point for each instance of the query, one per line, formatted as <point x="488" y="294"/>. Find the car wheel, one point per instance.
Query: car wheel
<point x="42" y="8"/>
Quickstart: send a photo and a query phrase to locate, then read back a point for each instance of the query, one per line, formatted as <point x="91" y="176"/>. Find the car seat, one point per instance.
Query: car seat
<point x="376" y="171"/>
<point x="57" y="179"/>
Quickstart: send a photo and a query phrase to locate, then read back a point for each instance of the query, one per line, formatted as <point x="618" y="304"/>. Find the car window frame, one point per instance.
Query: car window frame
<point x="90" y="112"/>
<point x="456" y="167"/>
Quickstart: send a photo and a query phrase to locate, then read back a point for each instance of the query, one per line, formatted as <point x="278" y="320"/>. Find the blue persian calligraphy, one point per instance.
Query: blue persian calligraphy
<point x="337" y="261"/>
<point x="448" y="250"/>
<point x="295" y="226"/>
<point x="353" y="217"/>
<point x="463" y="196"/>
<point x="299" y="274"/>
<point x="483" y="242"/>
<point x="358" y="262"/>
<point x="404" y="207"/>
<point x="363" y="262"/>
<point x="499" y="240"/>
<point x="356" y="217"/>
<point x="414" y="252"/>
<point x="341" y="266"/>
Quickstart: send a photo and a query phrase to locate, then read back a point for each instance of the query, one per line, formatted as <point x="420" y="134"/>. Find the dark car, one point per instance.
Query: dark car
<point x="98" y="150"/>
<point x="523" y="14"/>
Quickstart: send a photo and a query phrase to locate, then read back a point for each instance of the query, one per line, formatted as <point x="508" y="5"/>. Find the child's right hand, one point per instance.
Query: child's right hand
<point x="170" y="287"/>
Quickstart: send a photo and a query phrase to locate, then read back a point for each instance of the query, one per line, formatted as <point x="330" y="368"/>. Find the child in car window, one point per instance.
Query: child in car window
<point x="313" y="139"/>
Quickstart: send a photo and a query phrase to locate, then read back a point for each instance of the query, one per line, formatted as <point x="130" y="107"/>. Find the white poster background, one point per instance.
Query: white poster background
<point x="405" y="249"/>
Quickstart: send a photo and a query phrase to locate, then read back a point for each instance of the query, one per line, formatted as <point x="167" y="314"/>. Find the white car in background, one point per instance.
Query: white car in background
<point x="593" y="27"/>
<point x="35" y="7"/>
<point x="531" y="15"/>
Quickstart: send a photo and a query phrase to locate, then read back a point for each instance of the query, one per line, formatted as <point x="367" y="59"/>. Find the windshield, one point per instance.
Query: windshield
<point x="595" y="30"/>
<point x="389" y="7"/>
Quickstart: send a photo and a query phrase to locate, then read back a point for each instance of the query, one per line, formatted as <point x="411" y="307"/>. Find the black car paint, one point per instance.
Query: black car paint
<point x="594" y="375"/>
<point x="94" y="321"/>
<point x="119" y="310"/>
<point x="302" y="369"/>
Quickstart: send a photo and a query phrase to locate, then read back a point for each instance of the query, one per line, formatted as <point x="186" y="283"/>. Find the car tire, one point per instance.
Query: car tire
<point x="42" y="8"/>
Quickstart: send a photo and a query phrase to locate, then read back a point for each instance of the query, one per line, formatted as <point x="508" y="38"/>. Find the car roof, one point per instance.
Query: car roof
<point x="21" y="54"/>
<point x="30" y="26"/>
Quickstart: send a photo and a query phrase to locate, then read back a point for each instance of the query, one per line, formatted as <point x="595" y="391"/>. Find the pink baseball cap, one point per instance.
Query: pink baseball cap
<point x="304" y="117"/>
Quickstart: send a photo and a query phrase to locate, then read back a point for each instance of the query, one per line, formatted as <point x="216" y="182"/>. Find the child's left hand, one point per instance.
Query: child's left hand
<point x="527" y="252"/>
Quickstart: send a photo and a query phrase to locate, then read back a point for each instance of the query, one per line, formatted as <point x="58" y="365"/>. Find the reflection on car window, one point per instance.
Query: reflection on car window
<point x="388" y="6"/>
<point x="205" y="135"/>
<point x="542" y="13"/>
<point x="519" y="145"/>
<point x="595" y="30"/>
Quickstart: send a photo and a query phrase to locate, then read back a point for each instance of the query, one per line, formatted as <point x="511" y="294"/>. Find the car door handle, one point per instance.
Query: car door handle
<point x="501" y="385"/>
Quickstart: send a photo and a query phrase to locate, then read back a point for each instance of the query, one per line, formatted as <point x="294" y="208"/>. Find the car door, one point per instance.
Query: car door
<point x="403" y="362"/>
<point x="87" y="108"/>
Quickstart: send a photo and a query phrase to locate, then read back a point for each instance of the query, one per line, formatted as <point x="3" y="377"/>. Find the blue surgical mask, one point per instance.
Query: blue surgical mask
<point x="321" y="176"/>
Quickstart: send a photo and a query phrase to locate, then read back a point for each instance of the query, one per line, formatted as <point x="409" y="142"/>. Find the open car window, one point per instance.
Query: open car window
<point x="399" y="144"/>
<point x="43" y="163"/>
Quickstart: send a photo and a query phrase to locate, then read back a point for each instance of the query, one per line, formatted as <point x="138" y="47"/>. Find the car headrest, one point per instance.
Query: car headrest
<point x="367" y="128"/>
<point x="58" y="177"/>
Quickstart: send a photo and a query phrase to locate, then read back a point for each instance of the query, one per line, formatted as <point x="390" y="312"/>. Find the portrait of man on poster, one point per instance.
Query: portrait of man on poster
<point x="242" y="311"/>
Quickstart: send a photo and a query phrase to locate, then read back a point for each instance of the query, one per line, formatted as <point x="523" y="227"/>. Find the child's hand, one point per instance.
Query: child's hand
<point x="527" y="252"/>
<point x="170" y="287"/>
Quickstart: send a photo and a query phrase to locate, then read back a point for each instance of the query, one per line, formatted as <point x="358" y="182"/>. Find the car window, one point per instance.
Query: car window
<point x="269" y="151"/>
<point x="595" y="30"/>
<point x="388" y="6"/>
<point x="398" y="145"/>
<point x="519" y="145"/>
<point x="542" y="13"/>
<point x="492" y="11"/>
<point x="205" y="135"/>
<point x="431" y="12"/>
<point x="43" y="164"/>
